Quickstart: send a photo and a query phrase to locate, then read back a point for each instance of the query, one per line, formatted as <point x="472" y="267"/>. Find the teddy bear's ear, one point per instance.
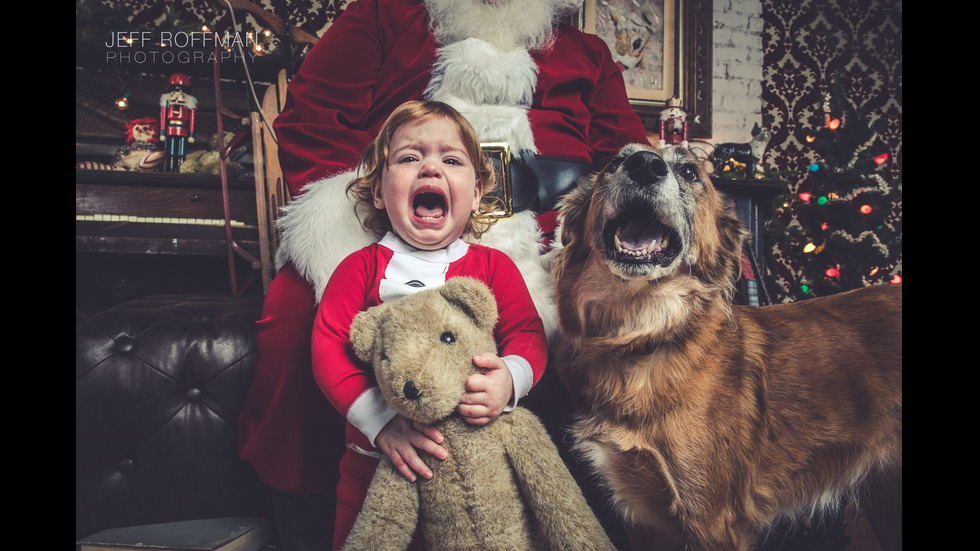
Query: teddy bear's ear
<point x="474" y="298"/>
<point x="363" y="331"/>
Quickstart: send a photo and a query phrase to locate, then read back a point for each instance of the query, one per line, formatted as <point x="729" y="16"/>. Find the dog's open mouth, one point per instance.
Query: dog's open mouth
<point x="638" y="237"/>
<point x="429" y="205"/>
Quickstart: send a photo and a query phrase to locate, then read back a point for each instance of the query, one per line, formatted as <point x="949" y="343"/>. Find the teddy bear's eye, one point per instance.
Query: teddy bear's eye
<point x="447" y="338"/>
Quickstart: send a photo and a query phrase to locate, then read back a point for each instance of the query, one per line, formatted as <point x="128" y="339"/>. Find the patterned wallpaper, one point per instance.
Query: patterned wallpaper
<point x="805" y="43"/>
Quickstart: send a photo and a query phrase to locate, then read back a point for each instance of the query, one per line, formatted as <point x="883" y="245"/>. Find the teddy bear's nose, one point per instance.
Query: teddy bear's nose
<point x="410" y="391"/>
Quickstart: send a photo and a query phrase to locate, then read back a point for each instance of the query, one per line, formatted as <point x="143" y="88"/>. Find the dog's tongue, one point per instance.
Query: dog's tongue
<point x="429" y="205"/>
<point x="637" y="236"/>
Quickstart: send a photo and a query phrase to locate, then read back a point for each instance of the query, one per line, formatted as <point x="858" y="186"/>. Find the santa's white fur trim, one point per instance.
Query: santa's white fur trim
<point x="319" y="229"/>
<point x="477" y="71"/>
<point x="491" y="88"/>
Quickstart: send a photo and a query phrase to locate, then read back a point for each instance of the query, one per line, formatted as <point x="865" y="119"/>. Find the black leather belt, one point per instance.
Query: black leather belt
<point x="531" y="182"/>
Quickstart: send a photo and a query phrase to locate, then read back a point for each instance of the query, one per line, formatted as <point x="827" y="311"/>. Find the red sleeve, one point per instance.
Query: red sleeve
<point x="581" y="109"/>
<point x="614" y="123"/>
<point x="371" y="59"/>
<point x="341" y="376"/>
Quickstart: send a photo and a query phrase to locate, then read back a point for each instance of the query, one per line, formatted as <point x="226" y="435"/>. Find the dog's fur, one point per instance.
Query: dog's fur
<point x="709" y="421"/>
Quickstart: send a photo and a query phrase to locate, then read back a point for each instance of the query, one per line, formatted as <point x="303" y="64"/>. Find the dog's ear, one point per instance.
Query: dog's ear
<point x="723" y="265"/>
<point x="572" y="209"/>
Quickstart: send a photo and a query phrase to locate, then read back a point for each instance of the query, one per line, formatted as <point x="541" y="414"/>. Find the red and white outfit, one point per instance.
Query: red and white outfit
<point x="383" y="272"/>
<point x="567" y="100"/>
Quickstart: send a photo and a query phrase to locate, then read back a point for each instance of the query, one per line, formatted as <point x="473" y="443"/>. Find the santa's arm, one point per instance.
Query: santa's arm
<point x="318" y="130"/>
<point x="614" y="123"/>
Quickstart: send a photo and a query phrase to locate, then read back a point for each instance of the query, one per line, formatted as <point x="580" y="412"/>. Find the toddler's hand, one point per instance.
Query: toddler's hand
<point x="487" y="394"/>
<point x="399" y="440"/>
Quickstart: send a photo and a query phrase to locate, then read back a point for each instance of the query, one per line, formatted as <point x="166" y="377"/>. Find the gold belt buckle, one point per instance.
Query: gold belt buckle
<point x="499" y="153"/>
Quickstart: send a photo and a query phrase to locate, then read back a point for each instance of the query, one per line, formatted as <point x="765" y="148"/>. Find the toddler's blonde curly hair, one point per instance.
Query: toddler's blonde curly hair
<point x="374" y="160"/>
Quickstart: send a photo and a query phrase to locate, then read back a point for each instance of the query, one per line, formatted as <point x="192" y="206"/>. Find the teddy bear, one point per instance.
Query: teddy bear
<point x="209" y="161"/>
<point x="504" y="485"/>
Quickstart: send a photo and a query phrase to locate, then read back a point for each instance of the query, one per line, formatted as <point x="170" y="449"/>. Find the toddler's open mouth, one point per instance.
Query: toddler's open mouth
<point x="429" y="205"/>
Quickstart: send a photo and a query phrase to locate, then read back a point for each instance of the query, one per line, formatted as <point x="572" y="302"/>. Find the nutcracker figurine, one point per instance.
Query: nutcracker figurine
<point x="177" y="109"/>
<point x="673" y="124"/>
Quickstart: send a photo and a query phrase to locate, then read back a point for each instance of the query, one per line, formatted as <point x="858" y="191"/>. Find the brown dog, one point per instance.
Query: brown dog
<point x="709" y="421"/>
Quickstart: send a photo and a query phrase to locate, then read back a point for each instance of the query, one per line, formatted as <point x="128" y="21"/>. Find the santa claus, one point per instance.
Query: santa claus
<point x="519" y="72"/>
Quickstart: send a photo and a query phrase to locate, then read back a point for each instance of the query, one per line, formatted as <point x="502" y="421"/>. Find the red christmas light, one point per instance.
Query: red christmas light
<point x="865" y="209"/>
<point x="832" y="272"/>
<point x="896" y="279"/>
<point x="880" y="159"/>
<point x="806" y="197"/>
<point x="833" y="124"/>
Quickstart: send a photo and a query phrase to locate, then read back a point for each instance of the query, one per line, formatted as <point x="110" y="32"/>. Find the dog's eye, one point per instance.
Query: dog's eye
<point x="447" y="338"/>
<point x="688" y="172"/>
<point x="614" y="163"/>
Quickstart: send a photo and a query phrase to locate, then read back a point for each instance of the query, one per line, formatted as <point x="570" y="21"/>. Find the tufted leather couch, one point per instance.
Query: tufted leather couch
<point x="159" y="383"/>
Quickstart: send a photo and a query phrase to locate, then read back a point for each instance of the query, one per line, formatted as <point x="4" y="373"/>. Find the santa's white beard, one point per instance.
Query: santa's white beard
<point x="507" y="24"/>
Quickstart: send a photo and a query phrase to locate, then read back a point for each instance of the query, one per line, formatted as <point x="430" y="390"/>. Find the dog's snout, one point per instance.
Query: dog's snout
<point x="645" y="167"/>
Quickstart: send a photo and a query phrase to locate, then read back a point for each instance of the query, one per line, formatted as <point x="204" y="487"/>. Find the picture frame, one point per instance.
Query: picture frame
<point x="664" y="47"/>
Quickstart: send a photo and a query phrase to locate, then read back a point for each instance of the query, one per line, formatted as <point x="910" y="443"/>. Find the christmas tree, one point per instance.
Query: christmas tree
<point x="838" y="228"/>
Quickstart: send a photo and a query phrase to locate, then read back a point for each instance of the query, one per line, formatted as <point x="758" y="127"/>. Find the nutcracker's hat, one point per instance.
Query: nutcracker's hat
<point x="179" y="82"/>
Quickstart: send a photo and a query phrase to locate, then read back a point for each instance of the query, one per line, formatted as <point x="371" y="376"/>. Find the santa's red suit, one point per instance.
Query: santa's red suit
<point x="566" y="99"/>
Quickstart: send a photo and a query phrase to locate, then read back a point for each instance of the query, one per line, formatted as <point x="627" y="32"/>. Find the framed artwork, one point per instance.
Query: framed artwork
<point x="664" y="50"/>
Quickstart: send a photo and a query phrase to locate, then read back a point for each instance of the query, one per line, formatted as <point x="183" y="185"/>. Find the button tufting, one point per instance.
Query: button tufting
<point x="126" y="466"/>
<point x="193" y="394"/>
<point x="124" y="344"/>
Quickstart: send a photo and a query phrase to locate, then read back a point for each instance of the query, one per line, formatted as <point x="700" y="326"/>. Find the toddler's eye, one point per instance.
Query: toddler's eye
<point x="447" y="338"/>
<point x="407" y="159"/>
<point x="453" y="162"/>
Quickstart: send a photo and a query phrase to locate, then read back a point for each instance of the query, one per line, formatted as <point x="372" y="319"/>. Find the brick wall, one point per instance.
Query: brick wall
<point x="736" y="98"/>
